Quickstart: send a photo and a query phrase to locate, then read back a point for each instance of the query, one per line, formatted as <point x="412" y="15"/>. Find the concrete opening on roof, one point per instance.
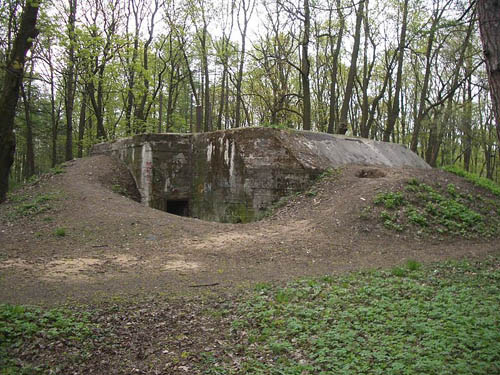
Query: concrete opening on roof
<point x="235" y="175"/>
<point x="370" y="173"/>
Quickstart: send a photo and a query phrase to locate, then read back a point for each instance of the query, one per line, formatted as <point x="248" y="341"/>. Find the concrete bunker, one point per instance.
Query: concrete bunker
<point x="235" y="175"/>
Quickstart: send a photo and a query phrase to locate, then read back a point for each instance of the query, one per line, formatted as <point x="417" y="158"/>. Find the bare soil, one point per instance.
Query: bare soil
<point x="114" y="246"/>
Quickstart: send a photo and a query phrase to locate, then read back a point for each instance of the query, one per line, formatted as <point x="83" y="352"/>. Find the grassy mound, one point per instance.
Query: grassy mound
<point x="476" y="180"/>
<point x="436" y="210"/>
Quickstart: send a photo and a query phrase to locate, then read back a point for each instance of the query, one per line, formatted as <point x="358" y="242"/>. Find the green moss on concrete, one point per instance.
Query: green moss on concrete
<point x="239" y="213"/>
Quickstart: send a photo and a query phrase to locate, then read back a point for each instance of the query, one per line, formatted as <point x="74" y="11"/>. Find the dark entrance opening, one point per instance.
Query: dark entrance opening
<point x="178" y="207"/>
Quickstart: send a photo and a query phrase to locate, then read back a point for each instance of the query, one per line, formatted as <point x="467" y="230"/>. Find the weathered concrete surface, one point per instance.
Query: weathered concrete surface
<point x="234" y="175"/>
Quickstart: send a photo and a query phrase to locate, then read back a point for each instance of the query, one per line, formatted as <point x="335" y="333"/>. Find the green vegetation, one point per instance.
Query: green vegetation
<point x="475" y="179"/>
<point x="413" y="265"/>
<point x="280" y="126"/>
<point x="443" y="319"/>
<point x="58" y="169"/>
<point x="27" y="206"/>
<point x="389" y="200"/>
<point x="329" y="172"/>
<point x="411" y="319"/>
<point x="311" y="193"/>
<point x="282" y="202"/>
<point x="118" y="189"/>
<point x="437" y="210"/>
<point x="14" y="185"/>
<point x="22" y="326"/>
<point x="239" y="213"/>
<point x="60" y="232"/>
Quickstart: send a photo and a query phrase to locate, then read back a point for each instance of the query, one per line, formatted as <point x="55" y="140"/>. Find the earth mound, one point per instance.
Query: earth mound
<point x="80" y="235"/>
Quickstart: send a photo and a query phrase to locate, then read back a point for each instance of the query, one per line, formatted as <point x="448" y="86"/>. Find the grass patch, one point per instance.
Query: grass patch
<point x="413" y="265"/>
<point x="14" y="186"/>
<point x="28" y="206"/>
<point x="21" y="327"/>
<point x="443" y="319"/>
<point x="476" y="180"/>
<point x="58" y="169"/>
<point x="60" y="232"/>
<point x="118" y="189"/>
<point x="398" y="271"/>
<point x="437" y="210"/>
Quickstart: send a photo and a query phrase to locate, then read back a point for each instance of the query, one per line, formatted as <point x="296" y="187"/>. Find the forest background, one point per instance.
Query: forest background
<point x="407" y="71"/>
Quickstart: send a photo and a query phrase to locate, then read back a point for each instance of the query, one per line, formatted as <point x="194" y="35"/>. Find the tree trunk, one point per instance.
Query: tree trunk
<point x="10" y="91"/>
<point x="305" y="69"/>
<point x="141" y="112"/>
<point x="222" y="96"/>
<point x="342" y="126"/>
<point x="394" y="108"/>
<point x="131" y="85"/>
<point x="363" y="129"/>
<point x="468" y="120"/>
<point x="30" y="153"/>
<point x="170" y="107"/>
<point x="132" y="7"/>
<point x="335" y="60"/>
<point x="489" y="27"/>
<point x="96" y="96"/>
<point x="70" y="80"/>
<point x="207" y="119"/>
<point x="247" y="6"/>
<point x="54" y="115"/>
<point x="160" y="112"/>
<point x="81" y="122"/>
<point x="427" y="76"/>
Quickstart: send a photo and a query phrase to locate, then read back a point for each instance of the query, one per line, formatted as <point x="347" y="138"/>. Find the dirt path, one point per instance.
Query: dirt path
<point x="113" y="245"/>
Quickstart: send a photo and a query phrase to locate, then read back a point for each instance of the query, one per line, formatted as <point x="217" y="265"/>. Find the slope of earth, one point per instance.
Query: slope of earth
<point x="73" y="237"/>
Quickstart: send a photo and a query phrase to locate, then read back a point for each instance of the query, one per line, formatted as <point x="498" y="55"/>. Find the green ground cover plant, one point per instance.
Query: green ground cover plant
<point x="14" y="186"/>
<point x="21" y="327"/>
<point x="443" y="319"/>
<point x="60" y="232"/>
<point x="29" y="206"/>
<point x="437" y="210"/>
<point x="475" y="179"/>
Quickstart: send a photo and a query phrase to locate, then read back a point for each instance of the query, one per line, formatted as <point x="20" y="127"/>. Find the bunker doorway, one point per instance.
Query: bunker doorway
<point x="178" y="207"/>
